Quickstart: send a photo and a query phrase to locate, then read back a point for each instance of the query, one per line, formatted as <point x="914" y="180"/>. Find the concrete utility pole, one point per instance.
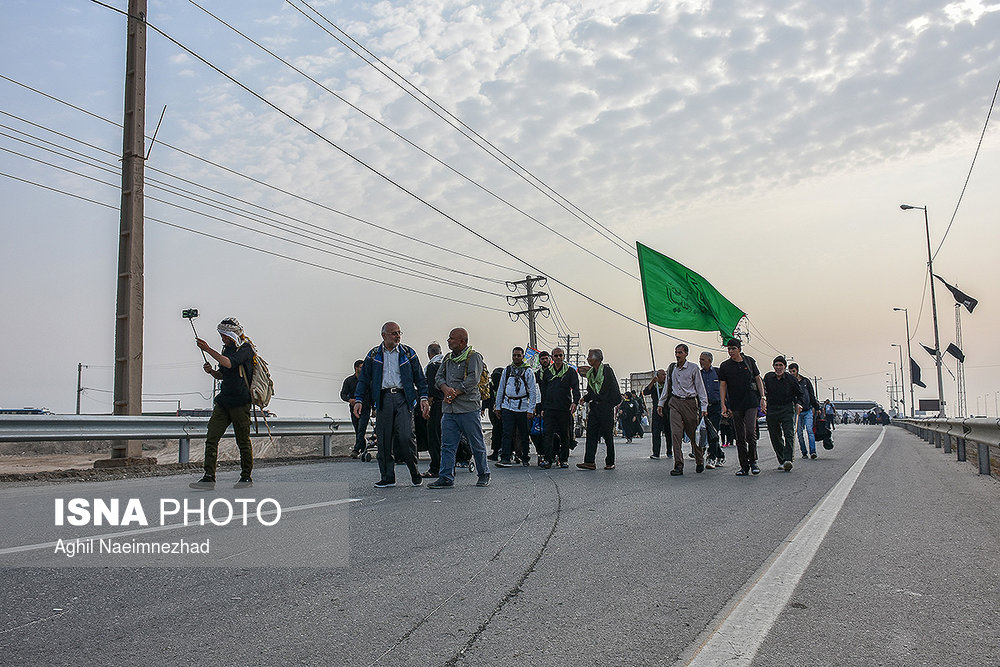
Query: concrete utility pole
<point x="79" y="385"/>
<point x="129" y="308"/>
<point x="573" y="341"/>
<point x="833" y="393"/>
<point x="529" y="297"/>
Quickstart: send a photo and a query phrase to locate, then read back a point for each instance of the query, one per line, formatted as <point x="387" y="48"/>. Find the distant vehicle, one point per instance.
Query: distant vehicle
<point x="25" y="411"/>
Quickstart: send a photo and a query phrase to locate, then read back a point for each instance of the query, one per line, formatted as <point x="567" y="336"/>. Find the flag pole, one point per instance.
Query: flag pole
<point x="645" y="306"/>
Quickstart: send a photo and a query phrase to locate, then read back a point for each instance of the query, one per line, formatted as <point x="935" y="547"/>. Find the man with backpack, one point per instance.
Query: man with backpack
<point x="392" y="376"/>
<point x="460" y="379"/>
<point x="516" y="400"/>
<point x="232" y="403"/>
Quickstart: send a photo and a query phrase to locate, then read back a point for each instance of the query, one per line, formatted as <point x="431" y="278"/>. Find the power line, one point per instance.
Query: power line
<point x="254" y="248"/>
<point x="408" y="141"/>
<point x="492" y="150"/>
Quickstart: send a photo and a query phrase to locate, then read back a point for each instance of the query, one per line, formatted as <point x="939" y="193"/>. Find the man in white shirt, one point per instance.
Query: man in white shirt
<point x="688" y="403"/>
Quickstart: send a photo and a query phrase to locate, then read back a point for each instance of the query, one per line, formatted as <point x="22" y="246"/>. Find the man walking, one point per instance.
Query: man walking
<point x="713" y="420"/>
<point x="741" y="392"/>
<point x="538" y="439"/>
<point x="436" y="399"/>
<point x="603" y="394"/>
<point x="458" y="380"/>
<point x="688" y="404"/>
<point x="781" y="403"/>
<point x="516" y="399"/>
<point x="360" y="424"/>
<point x="654" y="390"/>
<point x="809" y="407"/>
<point x="232" y="404"/>
<point x="560" y="396"/>
<point x="392" y="376"/>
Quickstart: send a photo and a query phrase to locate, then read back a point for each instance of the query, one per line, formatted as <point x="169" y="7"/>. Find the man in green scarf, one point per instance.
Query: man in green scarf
<point x="603" y="394"/>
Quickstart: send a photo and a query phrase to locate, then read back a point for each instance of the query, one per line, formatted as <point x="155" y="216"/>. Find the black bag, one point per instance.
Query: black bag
<point x="822" y="432"/>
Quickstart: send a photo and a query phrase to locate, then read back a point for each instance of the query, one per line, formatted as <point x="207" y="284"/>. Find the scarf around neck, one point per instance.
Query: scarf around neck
<point x="558" y="374"/>
<point x="462" y="357"/>
<point x="595" y="378"/>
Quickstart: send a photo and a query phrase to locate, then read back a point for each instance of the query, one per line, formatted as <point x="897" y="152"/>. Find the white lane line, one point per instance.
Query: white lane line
<point x="745" y="621"/>
<point x="172" y="526"/>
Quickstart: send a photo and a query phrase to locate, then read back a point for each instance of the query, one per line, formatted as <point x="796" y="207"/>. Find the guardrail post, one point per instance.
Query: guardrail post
<point x="327" y="448"/>
<point x="960" y="446"/>
<point x="947" y="442"/>
<point x="184" y="450"/>
<point x="937" y="440"/>
<point x="984" y="458"/>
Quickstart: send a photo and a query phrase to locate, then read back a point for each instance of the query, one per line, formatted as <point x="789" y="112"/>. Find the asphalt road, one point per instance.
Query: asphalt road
<point x="559" y="567"/>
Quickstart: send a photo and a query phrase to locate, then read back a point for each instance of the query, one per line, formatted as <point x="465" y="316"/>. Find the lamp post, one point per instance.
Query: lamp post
<point x="902" y="379"/>
<point x="892" y="394"/>
<point x="934" y="317"/>
<point x="909" y="356"/>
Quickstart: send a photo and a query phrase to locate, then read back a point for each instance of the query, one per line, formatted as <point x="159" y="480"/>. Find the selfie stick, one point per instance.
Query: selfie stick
<point x="189" y="315"/>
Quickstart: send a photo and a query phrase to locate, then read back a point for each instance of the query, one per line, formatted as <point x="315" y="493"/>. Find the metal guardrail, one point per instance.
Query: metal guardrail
<point x="949" y="434"/>
<point x="37" y="428"/>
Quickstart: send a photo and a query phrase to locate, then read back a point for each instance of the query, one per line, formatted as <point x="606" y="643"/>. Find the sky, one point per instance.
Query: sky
<point x="765" y="145"/>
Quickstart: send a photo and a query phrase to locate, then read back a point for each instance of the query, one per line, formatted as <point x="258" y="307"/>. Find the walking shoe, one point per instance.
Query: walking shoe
<point x="517" y="459"/>
<point x="677" y="471"/>
<point x="429" y="474"/>
<point x="206" y="483"/>
<point x="670" y="455"/>
<point x="787" y="466"/>
<point x="384" y="483"/>
<point x="586" y="466"/>
<point x="526" y="461"/>
<point x="699" y="468"/>
<point x="720" y="462"/>
<point x="610" y="466"/>
<point x="244" y="483"/>
<point x="484" y="480"/>
<point x="805" y="456"/>
<point x="690" y="455"/>
<point x="655" y="457"/>
<point x="441" y="483"/>
<point x="417" y="481"/>
<point x="544" y="465"/>
<point x="742" y="472"/>
<point x="754" y="468"/>
<point x="710" y="464"/>
<point x="563" y="464"/>
<point x="493" y="457"/>
<point x="355" y="455"/>
<point x="504" y="463"/>
<point x="813" y="455"/>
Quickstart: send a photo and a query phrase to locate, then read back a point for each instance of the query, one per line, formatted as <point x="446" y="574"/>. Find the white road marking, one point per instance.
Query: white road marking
<point x="172" y="526"/>
<point x="746" y="621"/>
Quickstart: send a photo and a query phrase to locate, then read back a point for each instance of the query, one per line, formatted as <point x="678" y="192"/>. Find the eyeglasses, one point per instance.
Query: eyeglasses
<point x="557" y="355"/>
<point x="394" y="333"/>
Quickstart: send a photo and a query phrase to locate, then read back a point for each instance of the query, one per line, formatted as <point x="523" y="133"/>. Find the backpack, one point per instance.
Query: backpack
<point x="484" y="381"/>
<point x="261" y="388"/>
<point x="519" y="381"/>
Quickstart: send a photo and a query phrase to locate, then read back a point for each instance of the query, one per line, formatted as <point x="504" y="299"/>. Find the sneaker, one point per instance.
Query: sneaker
<point x="720" y="462"/>
<point x="805" y="456"/>
<point x="742" y="472"/>
<point x="699" y="468"/>
<point x="690" y="455"/>
<point x="754" y="468"/>
<point x="355" y="455"/>
<point x="384" y="483"/>
<point x="484" y="480"/>
<point x="610" y="466"/>
<point x="677" y="472"/>
<point x="544" y="465"/>
<point x="526" y="461"/>
<point x="416" y="481"/>
<point x="244" y="483"/>
<point x="563" y="464"/>
<point x="787" y="466"/>
<point x="813" y="455"/>
<point x="206" y="483"/>
<point x="441" y="483"/>
<point x="710" y="464"/>
<point x="670" y="455"/>
<point x="655" y="457"/>
<point x="517" y="459"/>
<point x="504" y="463"/>
<point x="586" y="466"/>
<point x="493" y="457"/>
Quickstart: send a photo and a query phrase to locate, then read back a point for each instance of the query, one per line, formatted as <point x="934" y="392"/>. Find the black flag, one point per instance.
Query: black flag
<point x="930" y="350"/>
<point x="915" y="374"/>
<point x="955" y="352"/>
<point x="959" y="295"/>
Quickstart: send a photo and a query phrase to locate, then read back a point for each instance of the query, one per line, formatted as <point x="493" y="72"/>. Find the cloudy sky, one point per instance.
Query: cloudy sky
<point x="766" y="145"/>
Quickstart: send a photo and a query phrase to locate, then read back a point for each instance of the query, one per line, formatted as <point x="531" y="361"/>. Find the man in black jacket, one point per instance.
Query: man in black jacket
<point x="360" y="423"/>
<point x="560" y="396"/>
<point x="809" y="405"/>
<point x="782" y="402"/>
<point x="654" y="390"/>
<point x="435" y="397"/>
<point x="603" y="394"/>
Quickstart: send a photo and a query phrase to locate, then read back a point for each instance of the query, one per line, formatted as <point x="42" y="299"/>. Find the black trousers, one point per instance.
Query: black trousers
<point x="600" y="424"/>
<point x="515" y="420"/>
<point x="434" y="437"/>
<point x="361" y="426"/>
<point x="656" y="426"/>
<point x="557" y="425"/>
<point x="394" y="433"/>
<point x="496" y="433"/>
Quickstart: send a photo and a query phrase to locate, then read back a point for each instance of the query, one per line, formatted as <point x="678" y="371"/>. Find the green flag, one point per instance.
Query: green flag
<point x="678" y="298"/>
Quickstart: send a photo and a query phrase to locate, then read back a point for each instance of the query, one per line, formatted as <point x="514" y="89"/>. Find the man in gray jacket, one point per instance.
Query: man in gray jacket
<point x="458" y="379"/>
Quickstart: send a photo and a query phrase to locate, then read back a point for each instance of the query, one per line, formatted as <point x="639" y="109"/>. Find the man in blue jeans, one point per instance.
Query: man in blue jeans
<point x="458" y="380"/>
<point x="809" y="403"/>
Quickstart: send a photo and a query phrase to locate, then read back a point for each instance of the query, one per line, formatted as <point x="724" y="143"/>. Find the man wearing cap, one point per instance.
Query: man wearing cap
<point x="688" y="403"/>
<point x="232" y="403"/>
<point x="392" y="376"/>
<point x="782" y="403"/>
<point x="741" y="392"/>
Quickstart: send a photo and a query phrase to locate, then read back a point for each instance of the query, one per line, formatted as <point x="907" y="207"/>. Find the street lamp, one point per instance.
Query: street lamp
<point x="892" y="394"/>
<point x="902" y="378"/>
<point x="934" y="317"/>
<point x="909" y="356"/>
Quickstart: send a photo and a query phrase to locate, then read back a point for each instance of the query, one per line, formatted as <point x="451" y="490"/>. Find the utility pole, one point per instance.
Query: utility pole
<point x="530" y="296"/>
<point x="129" y="308"/>
<point x="816" y="386"/>
<point x="79" y="385"/>
<point x="833" y="393"/>
<point x="573" y="340"/>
